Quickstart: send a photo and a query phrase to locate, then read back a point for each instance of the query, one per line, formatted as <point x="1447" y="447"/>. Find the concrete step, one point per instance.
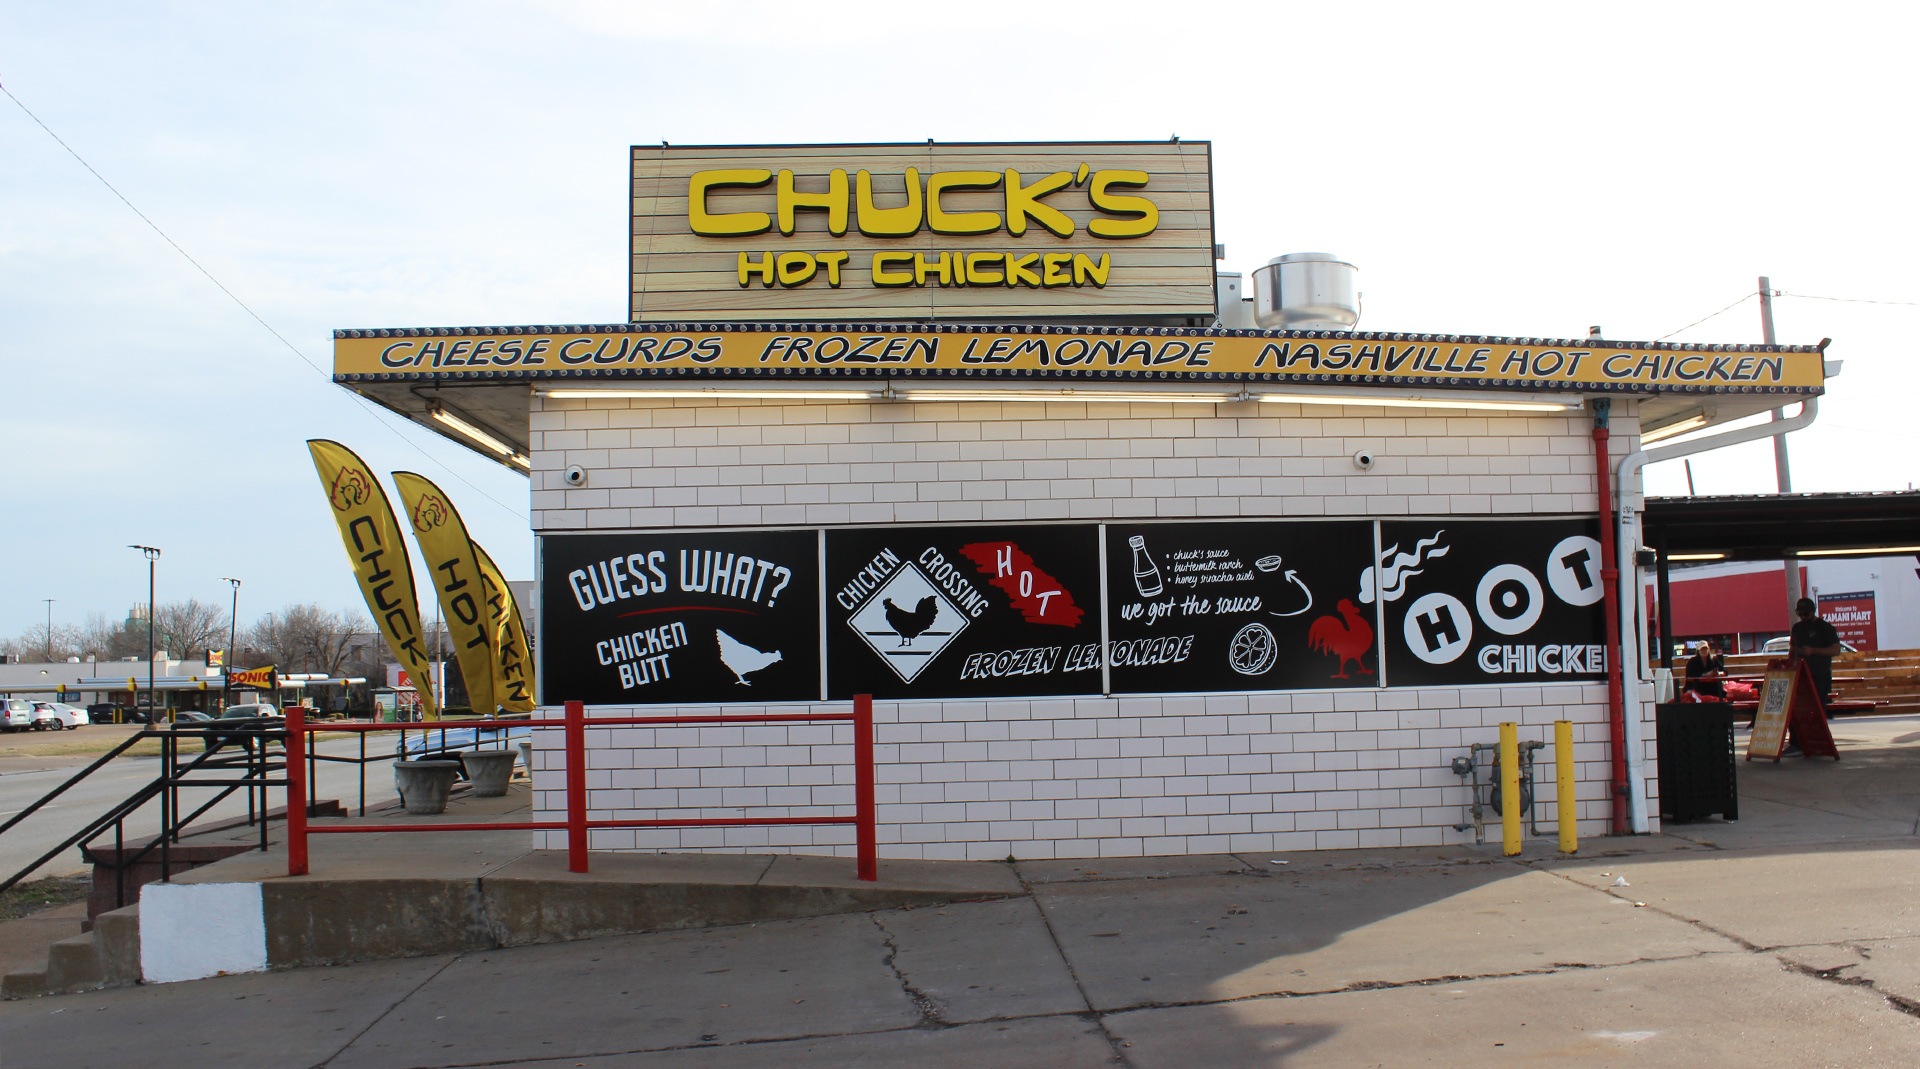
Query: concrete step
<point x="107" y="956"/>
<point x="480" y="891"/>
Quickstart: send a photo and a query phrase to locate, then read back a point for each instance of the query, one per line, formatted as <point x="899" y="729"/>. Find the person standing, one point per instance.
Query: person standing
<point x="1704" y="663"/>
<point x="1815" y="641"/>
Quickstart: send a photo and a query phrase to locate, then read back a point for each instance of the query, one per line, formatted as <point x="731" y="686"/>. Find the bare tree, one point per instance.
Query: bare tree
<point x="183" y="627"/>
<point x="308" y="638"/>
<point x="36" y="644"/>
<point x="108" y="640"/>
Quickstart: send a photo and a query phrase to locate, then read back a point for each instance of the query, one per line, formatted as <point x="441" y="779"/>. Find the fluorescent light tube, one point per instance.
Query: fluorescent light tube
<point x="721" y="391"/>
<point x="1883" y="551"/>
<point x="1696" y="556"/>
<point x="471" y="431"/>
<point x="1691" y="423"/>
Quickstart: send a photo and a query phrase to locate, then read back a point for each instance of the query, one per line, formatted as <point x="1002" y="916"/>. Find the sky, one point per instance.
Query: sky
<point x="1510" y="169"/>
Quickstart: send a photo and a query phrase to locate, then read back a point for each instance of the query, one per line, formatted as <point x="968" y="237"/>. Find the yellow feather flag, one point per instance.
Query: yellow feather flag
<point x="512" y="660"/>
<point x="374" y="545"/>
<point x="442" y="537"/>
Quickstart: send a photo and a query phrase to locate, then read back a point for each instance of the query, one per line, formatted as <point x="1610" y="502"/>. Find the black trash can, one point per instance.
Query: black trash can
<point x="1697" y="776"/>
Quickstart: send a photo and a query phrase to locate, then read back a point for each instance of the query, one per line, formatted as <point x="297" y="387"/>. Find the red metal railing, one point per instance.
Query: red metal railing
<point x="575" y="725"/>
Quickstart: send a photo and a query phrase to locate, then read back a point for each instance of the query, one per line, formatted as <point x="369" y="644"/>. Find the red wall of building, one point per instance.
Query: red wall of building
<point x="1729" y="604"/>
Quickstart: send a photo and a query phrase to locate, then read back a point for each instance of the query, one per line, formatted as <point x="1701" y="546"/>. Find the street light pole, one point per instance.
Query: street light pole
<point x="153" y="556"/>
<point x="233" y="636"/>
<point x="49" y="602"/>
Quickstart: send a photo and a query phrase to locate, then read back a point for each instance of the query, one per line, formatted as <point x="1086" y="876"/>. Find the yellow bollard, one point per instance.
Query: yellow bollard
<point x="1563" y="784"/>
<point x="1510" y="788"/>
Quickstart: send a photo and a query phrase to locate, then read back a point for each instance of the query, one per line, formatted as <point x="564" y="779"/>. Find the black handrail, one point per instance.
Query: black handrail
<point x="166" y="787"/>
<point x="254" y="774"/>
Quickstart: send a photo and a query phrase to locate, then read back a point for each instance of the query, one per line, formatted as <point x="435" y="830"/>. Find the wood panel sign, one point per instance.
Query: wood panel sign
<point x="919" y="231"/>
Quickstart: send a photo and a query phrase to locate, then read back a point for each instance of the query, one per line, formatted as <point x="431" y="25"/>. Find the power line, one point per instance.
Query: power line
<point x="294" y="349"/>
<point x="1697" y="322"/>
<point x="1849" y="300"/>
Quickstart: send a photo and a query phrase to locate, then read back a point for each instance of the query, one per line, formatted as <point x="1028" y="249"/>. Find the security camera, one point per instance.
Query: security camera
<point x="576" y="476"/>
<point x="1363" y="460"/>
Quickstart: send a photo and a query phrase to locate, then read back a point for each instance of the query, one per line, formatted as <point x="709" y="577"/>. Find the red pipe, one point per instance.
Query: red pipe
<point x="1610" y="582"/>
<point x="296" y="791"/>
<point x="576" y="787"/>
<point x="865" y="837"/>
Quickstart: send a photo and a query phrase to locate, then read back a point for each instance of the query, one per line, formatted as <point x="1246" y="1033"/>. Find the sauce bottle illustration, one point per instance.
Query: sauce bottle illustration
<point x="1146" y="574"/>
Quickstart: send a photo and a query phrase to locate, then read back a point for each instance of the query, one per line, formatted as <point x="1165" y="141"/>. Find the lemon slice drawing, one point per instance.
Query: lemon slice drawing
<point x="1253" y="650"/>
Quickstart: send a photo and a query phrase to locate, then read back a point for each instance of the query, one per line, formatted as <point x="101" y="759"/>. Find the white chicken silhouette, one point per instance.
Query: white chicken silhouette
<point x="743" y="659"/>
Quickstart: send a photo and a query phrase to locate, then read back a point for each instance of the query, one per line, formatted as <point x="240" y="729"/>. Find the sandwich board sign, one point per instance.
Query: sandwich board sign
<point x="1788" y="701"/>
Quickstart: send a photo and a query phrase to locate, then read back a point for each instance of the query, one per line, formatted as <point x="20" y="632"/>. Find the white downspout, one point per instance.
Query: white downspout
<point x="1626" y="545"/>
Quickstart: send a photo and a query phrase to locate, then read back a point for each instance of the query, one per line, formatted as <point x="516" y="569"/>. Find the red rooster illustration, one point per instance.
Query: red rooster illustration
<point x="1349" y="641"/>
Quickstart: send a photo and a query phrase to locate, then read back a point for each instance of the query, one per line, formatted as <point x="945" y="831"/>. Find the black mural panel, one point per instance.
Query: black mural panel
<point x="1491" y="601"/>
<point x="1271" y="605"/>
<point x="652" y="619"/>
<point x="963" y="612"/>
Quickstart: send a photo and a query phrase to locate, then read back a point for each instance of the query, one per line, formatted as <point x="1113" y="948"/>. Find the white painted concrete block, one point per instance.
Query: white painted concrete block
<point x="190" y="931"/>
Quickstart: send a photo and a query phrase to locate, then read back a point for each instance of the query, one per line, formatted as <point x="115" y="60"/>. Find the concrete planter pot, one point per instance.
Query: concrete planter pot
<point x="423" y="785"/>
<point x="489" y="771"/>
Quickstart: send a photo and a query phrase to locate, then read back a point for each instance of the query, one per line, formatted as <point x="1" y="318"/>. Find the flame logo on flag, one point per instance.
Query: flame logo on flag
<point x="430" y="513"/>
<point x="352" y="487"/>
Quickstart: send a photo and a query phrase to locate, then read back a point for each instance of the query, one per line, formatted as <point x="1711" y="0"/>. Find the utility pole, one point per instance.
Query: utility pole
<point x="49" y="602"/>
<point x="1783" y="474"/>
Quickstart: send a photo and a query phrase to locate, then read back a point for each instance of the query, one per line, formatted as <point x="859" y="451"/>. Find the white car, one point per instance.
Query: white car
<point x="58" y="715"/>
<point x="16" y="714"/>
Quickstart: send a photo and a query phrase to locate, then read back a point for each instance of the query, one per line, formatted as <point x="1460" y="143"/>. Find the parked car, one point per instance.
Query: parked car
<point x="18" y="715"/>
<point x="1779" y="645"/>
<point x="56" y="716"/>
<point x="446" y="744"/>
<point x="103" y="712"/>
<point x="252" y="716"/>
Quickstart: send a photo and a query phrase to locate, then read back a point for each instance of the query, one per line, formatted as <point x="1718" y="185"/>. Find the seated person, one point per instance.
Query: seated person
<point x="1705" y="662"/>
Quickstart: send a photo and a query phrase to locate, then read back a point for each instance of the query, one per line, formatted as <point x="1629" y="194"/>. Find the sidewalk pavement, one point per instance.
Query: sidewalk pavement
<point x="1787" y="939"/>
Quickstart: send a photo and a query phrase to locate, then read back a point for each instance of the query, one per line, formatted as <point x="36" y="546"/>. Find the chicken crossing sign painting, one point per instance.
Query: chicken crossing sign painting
<point x="922" y="630"/>
<point x="963" y="612"/>
<point x="694" y="617"/>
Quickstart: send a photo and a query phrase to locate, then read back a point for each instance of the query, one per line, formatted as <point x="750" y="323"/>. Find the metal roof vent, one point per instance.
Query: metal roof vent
<point x="1305" y="291"/>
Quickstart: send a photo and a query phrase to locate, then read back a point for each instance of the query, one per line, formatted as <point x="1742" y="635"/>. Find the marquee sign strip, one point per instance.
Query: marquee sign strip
<point x="888" y="351"/>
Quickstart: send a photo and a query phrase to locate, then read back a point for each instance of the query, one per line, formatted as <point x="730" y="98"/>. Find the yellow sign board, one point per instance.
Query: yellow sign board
<point x="923" y="231"/>
<point x="730" y="350"/>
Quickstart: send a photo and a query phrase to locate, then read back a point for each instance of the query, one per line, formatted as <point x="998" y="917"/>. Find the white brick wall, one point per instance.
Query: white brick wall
<point x="1068" y="777"/>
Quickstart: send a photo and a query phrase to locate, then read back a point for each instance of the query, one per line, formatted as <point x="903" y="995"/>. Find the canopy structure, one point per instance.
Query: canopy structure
<point x="1783" y="527"/>
<point x="1778" y="526"/>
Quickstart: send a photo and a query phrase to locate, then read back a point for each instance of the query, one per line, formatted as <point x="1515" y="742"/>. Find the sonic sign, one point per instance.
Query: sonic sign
<point x="923" y="231"/>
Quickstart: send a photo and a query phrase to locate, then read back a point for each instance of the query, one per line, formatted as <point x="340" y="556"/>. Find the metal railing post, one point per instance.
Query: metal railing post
<point x="576" y="731"/>
<point x="296" y="791"/>
<point x="865" y="834"/>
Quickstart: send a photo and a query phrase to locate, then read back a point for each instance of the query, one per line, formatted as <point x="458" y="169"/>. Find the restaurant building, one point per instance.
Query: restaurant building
<point x="1132" y="562"/>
